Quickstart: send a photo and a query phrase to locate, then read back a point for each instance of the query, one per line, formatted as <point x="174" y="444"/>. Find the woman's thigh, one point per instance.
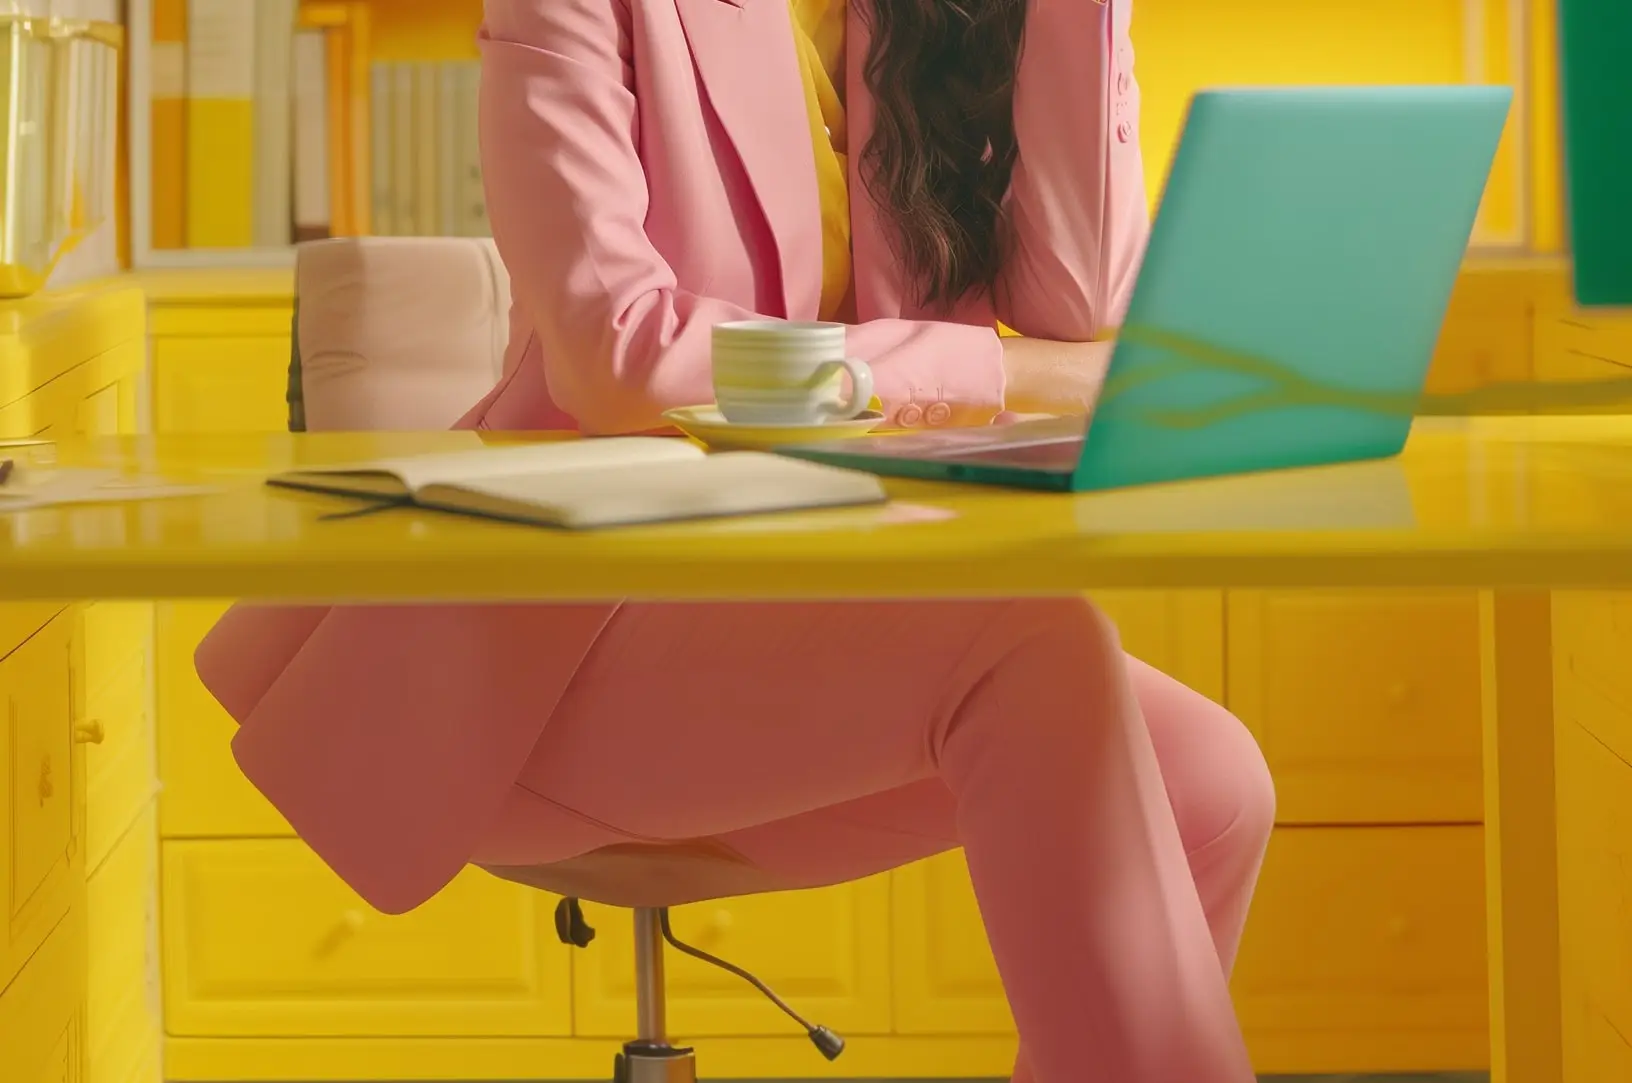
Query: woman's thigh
<point x="693" y="720"/>
<point x="802" y="735"/>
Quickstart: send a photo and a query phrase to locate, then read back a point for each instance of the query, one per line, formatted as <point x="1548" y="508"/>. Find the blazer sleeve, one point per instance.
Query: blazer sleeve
<point x="567" y="200"/>
<point x="1076" y="203"/>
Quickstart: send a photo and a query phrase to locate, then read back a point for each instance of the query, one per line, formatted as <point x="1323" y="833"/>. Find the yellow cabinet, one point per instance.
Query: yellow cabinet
<point x="1365" y="952"/>
<point x="205" y="795"/>
<point x="40" y="852"/>
<point x="231" y="384"/>
<point x="116" y="726"/>
<point x="1180" y="632"/>
<point x="122" y="1030"/>
<point x="220" y="349"/>
<point x="826" y="952"/>
<point x="260" y="939"/>
<point x="945" y="979"/>
<point x="41" y="1028"/>
<point x="1593" y="696"/>
<point x="1360" y="954"/>
<point x="76" y="739"/>
<point x="1366" y="705"/>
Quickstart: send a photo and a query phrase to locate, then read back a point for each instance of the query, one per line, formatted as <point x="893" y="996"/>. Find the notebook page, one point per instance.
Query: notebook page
<point x="455" y="467"/>
<point x="734" y="483"/>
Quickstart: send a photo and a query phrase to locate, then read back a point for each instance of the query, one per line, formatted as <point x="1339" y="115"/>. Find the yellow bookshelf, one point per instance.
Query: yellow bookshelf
<point x="192" y="172"/>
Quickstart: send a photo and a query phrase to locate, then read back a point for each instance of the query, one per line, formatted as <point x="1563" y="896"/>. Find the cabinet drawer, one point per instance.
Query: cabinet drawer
<point x="120" y="778"/>
<point x="1366" y="705"/>
<point x="1365" y="952"/>
<point x="1180" y="632"/>
<point x="220" y="385"/>
<point x="115" y="633"/>
<point x="204" y="795"/>
<point x="825" y="951"/>
<point x="122" y="995"/>
<point x="40" y="1030"/>
<point x="39" y="776"/>
<point x="262" y="940"/>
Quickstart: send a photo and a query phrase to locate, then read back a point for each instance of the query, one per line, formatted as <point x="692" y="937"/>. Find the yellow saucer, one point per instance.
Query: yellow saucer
<point x="706" y="425"/>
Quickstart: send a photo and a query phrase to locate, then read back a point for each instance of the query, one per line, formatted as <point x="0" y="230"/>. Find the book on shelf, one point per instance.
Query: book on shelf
<point x="259" y="119"/>
<point x="427" y="171"/>
<point x="588" y="484"/>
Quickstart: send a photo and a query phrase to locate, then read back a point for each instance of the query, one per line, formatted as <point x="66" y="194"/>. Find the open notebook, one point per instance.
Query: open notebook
<point x="583" y="484"/>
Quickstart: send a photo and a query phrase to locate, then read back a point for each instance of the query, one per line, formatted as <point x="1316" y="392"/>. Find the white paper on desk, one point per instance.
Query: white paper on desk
<point x="58" y="487"/>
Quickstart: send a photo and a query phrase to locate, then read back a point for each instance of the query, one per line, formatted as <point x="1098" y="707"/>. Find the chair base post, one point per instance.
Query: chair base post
<point x="654" y="1062"/>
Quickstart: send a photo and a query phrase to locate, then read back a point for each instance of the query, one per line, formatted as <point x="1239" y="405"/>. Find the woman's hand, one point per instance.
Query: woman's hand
<point x="1045" y="377"/>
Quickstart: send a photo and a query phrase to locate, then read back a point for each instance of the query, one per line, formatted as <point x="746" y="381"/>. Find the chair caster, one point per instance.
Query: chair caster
<point x="647" y="1062"/>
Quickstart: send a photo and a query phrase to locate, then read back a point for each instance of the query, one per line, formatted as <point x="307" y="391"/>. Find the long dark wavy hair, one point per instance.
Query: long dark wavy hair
<point x="943" y="148"/>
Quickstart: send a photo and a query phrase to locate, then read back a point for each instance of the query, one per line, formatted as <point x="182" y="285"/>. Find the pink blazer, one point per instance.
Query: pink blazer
<point x="649" y="173"/>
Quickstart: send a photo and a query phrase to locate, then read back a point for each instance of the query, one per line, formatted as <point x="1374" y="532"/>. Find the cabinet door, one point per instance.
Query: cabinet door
<point x="41" y="1029"/>
<point x="41" y="795"/>
<point x="1366" y="704"/>
<point x="204" y="794"/>
<point x="945" y="979"/>
<point x="220" y="385"/>
<point x="826" y="952"/>
<point x="1180" y="632"/>
<point x="262" y="940"/>
<point x="1365" y="952"/>
<point x="1592" y="636"/>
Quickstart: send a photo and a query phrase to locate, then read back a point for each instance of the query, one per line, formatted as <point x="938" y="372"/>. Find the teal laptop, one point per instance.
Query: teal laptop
<point x="1287" y="308"/>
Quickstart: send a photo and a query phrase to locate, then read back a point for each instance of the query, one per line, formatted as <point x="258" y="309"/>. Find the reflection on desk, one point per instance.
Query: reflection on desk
<point x="1484" y="502"/>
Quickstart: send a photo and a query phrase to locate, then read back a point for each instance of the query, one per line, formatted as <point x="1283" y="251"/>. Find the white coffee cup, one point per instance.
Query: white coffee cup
<point x="782" y="372"/>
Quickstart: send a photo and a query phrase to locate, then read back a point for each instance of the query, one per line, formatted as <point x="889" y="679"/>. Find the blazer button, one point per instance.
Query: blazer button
<point x="1124" y="132"/>
<point x="939" y="413"/>
<point x="908" y="416"/>
<point x="1124" y="83"/>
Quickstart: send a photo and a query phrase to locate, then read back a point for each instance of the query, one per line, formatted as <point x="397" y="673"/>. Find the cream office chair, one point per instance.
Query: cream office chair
<point x="405" y="334"/>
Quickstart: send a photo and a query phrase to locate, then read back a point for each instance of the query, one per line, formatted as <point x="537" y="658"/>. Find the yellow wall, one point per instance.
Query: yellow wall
<point x="1188" y="45"/>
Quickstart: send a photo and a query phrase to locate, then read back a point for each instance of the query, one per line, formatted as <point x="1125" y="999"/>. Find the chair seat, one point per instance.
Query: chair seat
<point x="646" y="875"/>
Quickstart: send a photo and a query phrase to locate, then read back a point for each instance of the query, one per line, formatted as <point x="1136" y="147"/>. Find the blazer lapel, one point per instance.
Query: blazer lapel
<point x="744" y="53"/>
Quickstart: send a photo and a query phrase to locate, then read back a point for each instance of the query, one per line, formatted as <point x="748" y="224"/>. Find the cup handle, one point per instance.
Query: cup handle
<point x="861" y="388"/>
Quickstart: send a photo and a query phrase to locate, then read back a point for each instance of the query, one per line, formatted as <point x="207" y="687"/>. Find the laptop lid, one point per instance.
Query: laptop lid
<point x="1297" y="276"/>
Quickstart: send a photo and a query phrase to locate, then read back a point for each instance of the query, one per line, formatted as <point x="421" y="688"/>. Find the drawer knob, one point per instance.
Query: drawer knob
<point x="89" y="732"/>
<point x="719" y="923"/>
<point x="349" y="925"/>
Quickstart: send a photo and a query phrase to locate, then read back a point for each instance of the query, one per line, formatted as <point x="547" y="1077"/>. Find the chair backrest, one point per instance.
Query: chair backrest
<point x="395" y="333"/>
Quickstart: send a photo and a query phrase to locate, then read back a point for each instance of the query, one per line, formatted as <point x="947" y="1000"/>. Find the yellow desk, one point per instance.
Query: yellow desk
<point x="1527" y="510"/>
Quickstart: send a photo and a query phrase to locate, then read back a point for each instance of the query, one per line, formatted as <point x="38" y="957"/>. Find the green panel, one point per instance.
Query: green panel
<point x="1596" y="61"/>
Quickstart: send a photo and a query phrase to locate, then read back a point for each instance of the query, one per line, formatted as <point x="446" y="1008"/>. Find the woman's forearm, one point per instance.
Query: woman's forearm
<point x="1048" y="377"/>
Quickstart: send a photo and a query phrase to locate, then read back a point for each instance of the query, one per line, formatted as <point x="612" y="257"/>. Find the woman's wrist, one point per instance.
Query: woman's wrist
<point x="1048" y="377"/>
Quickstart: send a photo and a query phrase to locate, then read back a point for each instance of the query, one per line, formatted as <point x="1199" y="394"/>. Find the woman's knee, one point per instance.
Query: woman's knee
<point x="1217" y="778"/>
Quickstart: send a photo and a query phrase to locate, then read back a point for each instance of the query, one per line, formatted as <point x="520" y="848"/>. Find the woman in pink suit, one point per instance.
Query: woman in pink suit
<point x="654" y="167"/>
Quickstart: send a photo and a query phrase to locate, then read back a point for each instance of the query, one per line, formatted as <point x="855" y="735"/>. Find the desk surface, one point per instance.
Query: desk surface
<point x="1481" y="503"/>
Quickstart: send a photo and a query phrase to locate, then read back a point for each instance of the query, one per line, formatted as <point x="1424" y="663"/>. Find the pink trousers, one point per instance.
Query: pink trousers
<point x="1114" y="822"/>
